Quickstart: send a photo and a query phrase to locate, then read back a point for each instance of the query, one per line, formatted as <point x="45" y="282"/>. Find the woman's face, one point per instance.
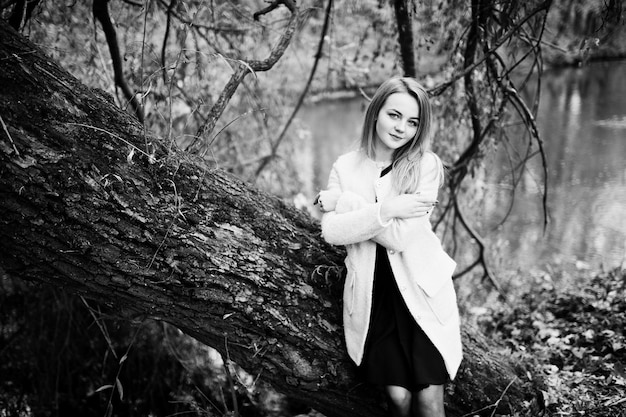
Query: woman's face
<point x="396" y="124"/>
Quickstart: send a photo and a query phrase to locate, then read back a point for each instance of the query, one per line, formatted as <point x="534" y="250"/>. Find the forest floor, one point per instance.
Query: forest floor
<point x="575" y="337"/>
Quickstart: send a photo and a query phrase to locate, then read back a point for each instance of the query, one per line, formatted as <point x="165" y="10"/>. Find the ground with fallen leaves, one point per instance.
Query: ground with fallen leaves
<point x="576" y="338"/>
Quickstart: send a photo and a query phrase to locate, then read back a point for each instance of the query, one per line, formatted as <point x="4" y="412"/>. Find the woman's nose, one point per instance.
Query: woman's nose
<point x="400" y="126"/>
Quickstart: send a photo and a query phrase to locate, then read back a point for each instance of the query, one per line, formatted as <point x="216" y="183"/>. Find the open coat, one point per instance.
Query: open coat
<point x="423" y="271"/>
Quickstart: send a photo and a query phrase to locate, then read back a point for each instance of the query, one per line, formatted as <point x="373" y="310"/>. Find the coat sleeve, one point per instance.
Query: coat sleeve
<point x="353" y="220"/>
<point x="400" y="232"/>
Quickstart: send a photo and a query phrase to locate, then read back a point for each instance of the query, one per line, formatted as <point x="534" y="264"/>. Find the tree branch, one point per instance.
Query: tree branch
<point x="199" y="25"/>
<point x="404" y="23"/>
<point x="168" y="24"/>
<point x="22" y="11"/>
<point x="290" y="4"/>
<point x="101" y="13"/>
<point x="303" y="94"/>
<point x="241" y="70"/>
<point x="503" y="93"/>
<point x="437" y="90"/>
<point x="481" y="259"/>
<point x="511" y="94"/>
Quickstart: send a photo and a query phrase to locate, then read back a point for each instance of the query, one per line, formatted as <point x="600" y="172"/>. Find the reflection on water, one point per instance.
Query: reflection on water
<point x="582" y="120"/>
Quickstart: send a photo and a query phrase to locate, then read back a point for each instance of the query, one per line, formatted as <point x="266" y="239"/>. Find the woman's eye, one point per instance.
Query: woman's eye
<point x="412" y="123"/>
<point x="393" y="115"/>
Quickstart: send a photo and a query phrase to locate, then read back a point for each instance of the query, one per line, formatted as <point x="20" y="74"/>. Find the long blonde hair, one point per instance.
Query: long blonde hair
<point x="405" y="160"/>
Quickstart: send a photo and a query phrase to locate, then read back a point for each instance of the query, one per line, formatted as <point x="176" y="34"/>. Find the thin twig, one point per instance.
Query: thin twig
<point x="141" y="77"/>
<point x="103" y="329"/>
<point x="492" y="69"/>
<point x="170" y="227"/>
<point x="133" y="3"/>
<point x="531" y="124"/>
<point x="481" y="252"/>
<point x="230" y="123"/>
<point x="200" y="25"/>
<point x="9" y="136"/>
<point x="151" y="158"/>
<point x="118" y="384"/>
<point x="229" y="377"/>
<point x="494" y="405"/>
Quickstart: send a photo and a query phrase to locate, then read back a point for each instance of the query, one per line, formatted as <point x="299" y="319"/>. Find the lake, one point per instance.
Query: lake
<point x="582" y="121"/>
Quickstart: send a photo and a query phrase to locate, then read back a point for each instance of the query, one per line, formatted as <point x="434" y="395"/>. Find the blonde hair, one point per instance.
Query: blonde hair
<point x="405" y="160"/>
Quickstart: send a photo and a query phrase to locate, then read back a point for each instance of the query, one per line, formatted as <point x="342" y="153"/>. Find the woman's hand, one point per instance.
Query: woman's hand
<point x="326" y="200"/>
<point x="406" y="206"/>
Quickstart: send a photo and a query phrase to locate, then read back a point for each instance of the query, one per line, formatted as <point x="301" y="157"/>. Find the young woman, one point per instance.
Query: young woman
<point x="401" y="320"/>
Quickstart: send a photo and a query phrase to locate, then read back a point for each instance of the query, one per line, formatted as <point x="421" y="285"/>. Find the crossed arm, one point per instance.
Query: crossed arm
<point x="393" y="223"/>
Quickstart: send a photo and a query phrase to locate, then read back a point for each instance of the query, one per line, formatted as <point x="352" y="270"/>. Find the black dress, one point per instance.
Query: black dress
<point x="397" y="351"/>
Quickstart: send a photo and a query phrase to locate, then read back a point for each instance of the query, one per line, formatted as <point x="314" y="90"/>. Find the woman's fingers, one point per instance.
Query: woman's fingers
<point x="411" y="205"/>
<point x="422" y="208"/>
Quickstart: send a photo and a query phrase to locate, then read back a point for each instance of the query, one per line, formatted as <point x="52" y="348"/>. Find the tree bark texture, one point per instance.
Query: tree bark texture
<point x="91" y="204"/>
<point x="405" y="36"/>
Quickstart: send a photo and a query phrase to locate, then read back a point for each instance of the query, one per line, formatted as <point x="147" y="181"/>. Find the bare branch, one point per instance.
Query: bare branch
<point x="218" y="107"/>
<point x="503" y="93"/>
<point x="133" y="3"/>
<point x="22" y="12"/>
<point x="511" y="94"/>
<point x="101" y="13"/>
<point x="290" y="4"/>
<point x="241" y="70"/>
<point x="405" y="36"/>
<point x="481" y="259"/>
<point x="6" y="130"/>
<point x="437" y="90"/>
<point x="199" y="25"/>
<point x="168" y="25"/>
<point x="318" y="56"/>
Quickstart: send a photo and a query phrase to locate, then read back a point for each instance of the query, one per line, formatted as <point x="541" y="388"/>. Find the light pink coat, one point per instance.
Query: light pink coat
<point x="422" y="269"/>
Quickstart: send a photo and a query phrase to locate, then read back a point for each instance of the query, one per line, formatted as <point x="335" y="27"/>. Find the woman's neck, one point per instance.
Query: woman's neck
<point x="383" y="157"/>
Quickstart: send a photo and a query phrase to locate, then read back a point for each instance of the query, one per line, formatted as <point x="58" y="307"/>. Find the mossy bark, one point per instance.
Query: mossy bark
<point x="93" y="204"/>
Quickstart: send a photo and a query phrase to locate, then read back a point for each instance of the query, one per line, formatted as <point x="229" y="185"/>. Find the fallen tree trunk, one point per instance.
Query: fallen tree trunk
<point x="93" y="205"/>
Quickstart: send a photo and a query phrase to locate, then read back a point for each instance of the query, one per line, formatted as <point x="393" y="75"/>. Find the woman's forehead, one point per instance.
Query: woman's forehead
<point x="404" y="103"/>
